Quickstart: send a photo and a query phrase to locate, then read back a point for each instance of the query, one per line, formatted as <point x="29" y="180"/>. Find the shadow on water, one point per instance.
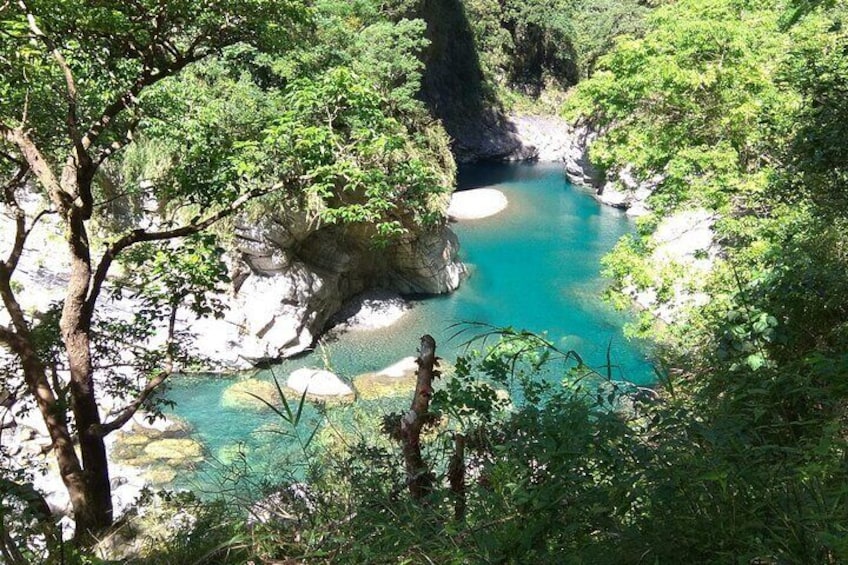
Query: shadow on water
<point x="471" y="176"/>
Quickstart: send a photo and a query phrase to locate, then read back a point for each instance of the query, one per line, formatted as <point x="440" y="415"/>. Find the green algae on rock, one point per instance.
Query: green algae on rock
<point x="246" y="395"/>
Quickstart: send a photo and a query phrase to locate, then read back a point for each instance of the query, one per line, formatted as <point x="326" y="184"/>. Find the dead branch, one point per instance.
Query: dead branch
<point x="419" y="476"/>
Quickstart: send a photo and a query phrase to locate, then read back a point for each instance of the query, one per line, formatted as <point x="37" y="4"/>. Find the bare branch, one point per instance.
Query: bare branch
<point x="21" y="232"/>
<point x="127" y="413"/>
<point x="139" y="236"/>
<point x="8" y="266"/>
<point x="41" y="214"/>
<point x="39" y="166"/>
<point x="419" y="478"/>
<point x="117" y="145"/>
<point x="113" y="199"/>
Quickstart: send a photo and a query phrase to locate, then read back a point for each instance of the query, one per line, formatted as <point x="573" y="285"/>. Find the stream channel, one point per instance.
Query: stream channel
<point x="534" y="266"/>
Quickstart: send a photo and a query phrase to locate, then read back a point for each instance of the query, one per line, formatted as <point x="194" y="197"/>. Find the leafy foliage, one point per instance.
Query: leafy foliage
<point x="531" y="45"/>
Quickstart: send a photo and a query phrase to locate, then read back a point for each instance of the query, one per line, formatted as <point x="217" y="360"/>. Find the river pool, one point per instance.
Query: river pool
<point x="534" y="266"/>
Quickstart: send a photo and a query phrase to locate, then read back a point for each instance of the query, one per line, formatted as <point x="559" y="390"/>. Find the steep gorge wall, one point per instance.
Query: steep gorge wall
<point x="454" y="89"/>
<point x="288" y="287"/>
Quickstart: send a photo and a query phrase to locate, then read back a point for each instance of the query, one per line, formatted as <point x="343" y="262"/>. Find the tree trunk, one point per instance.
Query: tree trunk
<point x="419" y="477"/>
<point x="52" y="411"/>
<point x="456" y="476"/>
<point x="72" y="473"/>
<point x="92" y="504"/>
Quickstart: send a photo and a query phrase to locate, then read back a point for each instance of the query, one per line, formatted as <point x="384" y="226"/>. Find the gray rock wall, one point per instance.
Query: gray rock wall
<point x="288" y="286"/>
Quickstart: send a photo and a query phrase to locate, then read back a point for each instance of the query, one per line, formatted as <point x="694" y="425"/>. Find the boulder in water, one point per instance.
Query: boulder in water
<point x="175" y="451"/>
<point x="243" y="395"/>
<point x="319" y="385"/>
<point x="372" y="310"/>
<point x="477" y="203"/>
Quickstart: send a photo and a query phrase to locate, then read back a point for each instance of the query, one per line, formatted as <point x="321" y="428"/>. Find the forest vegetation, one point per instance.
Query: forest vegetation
<point x="737" y="454"/>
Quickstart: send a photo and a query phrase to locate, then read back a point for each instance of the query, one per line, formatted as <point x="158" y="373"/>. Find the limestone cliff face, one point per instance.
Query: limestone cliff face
<point x="453" y="87"/>
<point x="289" y="282"/>
<point x="618" y="188"/>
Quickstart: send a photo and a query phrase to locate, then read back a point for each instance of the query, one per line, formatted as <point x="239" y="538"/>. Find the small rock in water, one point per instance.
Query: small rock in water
<point x="477" y="203"/>
<point x="406" y="367"/>
<point x="319" y="384"/>
<point x="243" y="395"/>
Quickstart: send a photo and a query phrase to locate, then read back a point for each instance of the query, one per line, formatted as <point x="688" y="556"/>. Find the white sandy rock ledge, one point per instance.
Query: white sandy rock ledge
<point x="476" y="204"/>
<point x="319" y="384"/>
<point x="406" y="367"/>
<point x="372" y="311"/>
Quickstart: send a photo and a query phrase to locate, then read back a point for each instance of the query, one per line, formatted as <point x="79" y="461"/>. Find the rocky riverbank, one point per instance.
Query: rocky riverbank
<point x="683" y="243"/>
<point x="289" y="280"/>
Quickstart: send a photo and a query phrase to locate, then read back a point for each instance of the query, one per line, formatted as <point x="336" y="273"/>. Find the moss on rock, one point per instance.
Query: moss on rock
<point x="369" y="386"/>
<point x="243" y="395"/>
<point x="175" y="451"/>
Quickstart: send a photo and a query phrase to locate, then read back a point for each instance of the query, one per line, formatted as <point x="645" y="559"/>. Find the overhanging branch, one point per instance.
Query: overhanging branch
<point x="127" y="413"/>
<point x="140" y="236"/>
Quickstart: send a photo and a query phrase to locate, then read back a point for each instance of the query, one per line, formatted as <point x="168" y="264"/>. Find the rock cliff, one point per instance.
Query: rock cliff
<point x="289" y="284"/>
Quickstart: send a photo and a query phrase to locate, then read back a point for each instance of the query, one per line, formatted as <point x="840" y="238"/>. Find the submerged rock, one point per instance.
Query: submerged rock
<point x="160" y="475"/>
<point x="374" y="385"/>
<point x="395" y="380"/>
<point x="175" y="451"/>
<point x="319" y="384"/>
<point x="477" y="203"/>
<point x="243" y="395"/>
<point x="406" y="367"/>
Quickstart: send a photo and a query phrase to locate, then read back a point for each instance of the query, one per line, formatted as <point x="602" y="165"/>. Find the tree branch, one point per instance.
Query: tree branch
<point x="70" y="85"/>
<point x="126" y="100"/>
<point x="127" y="413"/>
<point x="21" y="232"/>
<point x="39" y="166"/>
<point x="418" y="475"/>
<point x="139" y="236"/>
<point x="7" y="295"/>
<point x="117" y="145"/>
<point x="9" y="338"/>
<point x="9" y="157"/>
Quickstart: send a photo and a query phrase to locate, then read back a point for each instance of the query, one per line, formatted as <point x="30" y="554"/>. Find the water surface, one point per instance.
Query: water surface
<point x="534" y="266"/>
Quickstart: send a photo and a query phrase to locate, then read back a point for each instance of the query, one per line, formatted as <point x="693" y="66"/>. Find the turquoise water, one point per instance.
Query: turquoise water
<point x="534" y="266"/>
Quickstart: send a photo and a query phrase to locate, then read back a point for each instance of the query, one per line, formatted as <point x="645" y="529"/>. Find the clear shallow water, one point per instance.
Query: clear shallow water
<point x="534" y="266"/>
